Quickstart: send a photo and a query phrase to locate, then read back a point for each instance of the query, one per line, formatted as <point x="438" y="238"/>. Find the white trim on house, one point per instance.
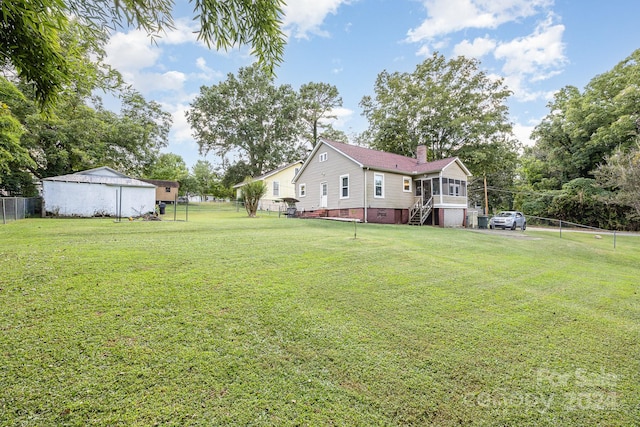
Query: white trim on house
<point x="410" y="181"/>
<point x="342" y="186"/>
<point x="324" y="194"/>
<point x="375" y="185"/>
<point x="462" y="166"/>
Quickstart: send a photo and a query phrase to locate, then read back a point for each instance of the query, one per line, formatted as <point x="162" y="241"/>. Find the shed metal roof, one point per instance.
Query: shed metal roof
<point x="91" y="178"/>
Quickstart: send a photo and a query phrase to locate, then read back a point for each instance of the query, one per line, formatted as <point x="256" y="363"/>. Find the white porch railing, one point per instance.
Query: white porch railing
<point x="419" y="212"/>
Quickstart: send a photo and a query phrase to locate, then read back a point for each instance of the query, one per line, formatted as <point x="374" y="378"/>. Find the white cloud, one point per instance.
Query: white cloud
<point x="171" y="81"/>
<point x="132" y="51"/>
<point x="523" y="134"/>
<point x="344" y="116"/>
<point x="304" y="17"/>
<point x="450" y="16"/>
<point x="534" y="54"/>
<point x="185" y="31"/>
<point x="207" y="73"/>
<point x="476" y="49"/>
<point x="181" y="130"/>
<point x="424" y="51"/>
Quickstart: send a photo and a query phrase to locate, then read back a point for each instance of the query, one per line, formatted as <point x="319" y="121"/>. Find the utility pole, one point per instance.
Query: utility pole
<point x="486" y="199"/>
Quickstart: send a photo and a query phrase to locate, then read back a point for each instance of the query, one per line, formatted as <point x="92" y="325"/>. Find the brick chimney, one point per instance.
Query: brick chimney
<point x="421" y="154"/>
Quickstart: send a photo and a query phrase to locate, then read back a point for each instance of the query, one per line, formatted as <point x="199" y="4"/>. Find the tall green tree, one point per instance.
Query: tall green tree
<point x="236" y="173"/>
<point x="249" y="116"/>
<point x="12" y="154"/>
<point x="77" y="136"/>
<point x="443" y="104"/>
<point x="205" y="177"/>
<point x="454" y="109"/>
<point x="78" y="133"/>
<point x="317" y="102"/>
<point x="329" y="132"/>
<point x="583" y="128"/>
<point x="30" y="41"/>
<point x="168" y="166"/>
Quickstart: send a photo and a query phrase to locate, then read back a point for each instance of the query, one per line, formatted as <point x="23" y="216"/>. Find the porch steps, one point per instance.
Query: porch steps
<point x="420" y="211"/>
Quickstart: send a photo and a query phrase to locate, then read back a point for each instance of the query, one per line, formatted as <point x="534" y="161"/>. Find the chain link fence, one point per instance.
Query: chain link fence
<point x="15" y="208"/>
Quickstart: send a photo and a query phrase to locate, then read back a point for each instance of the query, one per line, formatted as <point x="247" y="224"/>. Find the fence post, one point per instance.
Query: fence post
<point x="4" y="212"/>
<point x="614" y="239"/>
<point x="561" y="229"/>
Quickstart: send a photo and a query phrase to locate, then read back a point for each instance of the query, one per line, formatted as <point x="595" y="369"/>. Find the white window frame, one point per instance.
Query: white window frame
<point x="375" y="186"/>
<point x="409" y="180"/>
<point x="341" y="187"/>
<point x="302" y="190"/>
<point x="323" y="156"/>
<point x="276" y="188"/>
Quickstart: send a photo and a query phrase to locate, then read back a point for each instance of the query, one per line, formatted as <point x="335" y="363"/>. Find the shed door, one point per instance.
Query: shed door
<point x="324" y="190"/>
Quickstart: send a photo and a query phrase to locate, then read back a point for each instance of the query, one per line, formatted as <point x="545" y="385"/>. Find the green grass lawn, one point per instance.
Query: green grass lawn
<point x="227" y="320"/>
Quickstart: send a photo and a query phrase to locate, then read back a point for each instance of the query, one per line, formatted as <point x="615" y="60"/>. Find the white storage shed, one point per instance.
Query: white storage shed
<point x="98" y="192"/>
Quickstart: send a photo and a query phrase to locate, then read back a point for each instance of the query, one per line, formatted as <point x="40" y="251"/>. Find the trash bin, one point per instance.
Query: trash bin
<point x="483" y="221"/>
<point x="162" y="206"/>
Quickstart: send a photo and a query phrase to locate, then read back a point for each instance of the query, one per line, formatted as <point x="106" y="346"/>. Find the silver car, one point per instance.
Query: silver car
<point x="508" y="219"/>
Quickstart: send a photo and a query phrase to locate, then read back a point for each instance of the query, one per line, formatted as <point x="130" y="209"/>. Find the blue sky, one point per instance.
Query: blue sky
<point x="538" y="46"/>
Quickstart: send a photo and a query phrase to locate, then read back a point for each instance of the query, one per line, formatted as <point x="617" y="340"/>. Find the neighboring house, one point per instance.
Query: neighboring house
<point x="166" y="191"/>
<point x="347" y="181"/>
<point x="279" y="186"/>
<point x="97" y="192"/>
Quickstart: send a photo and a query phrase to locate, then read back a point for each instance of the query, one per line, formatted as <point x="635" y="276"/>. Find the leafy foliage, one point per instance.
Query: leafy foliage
<point x="30" y="39"/>
<point x="207" y="180"/>
<point x="452" y="108"/>
<point x="79" y="137"/>
<point x="249" y="116"/>
<point x="168" y="166"/>
<point x="444" y="105"/>
<point x="584" y="157"/>
<point x="78" y="133"/>
<point x="621" y="173"/>
<point x="317" y="102"/>
<point x="583" y="128"/>
<point x="252" y="192"/>
<point x="13" y="156"/>
<point x="236" y="173"/>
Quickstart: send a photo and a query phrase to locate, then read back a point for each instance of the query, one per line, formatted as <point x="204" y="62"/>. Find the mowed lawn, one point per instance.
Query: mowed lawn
<point x="227" y="320"/>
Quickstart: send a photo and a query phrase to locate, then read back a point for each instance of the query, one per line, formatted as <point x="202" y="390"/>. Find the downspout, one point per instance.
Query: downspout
<point x="366" y="212"/>
<point x="440" y="184"/>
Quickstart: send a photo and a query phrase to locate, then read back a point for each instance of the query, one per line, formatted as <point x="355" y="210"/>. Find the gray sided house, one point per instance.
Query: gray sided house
<point x="347" y="181"/>
<point x="97" y="192"/>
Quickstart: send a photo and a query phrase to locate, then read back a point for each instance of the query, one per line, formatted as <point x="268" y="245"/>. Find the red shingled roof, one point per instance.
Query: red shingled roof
<point x="388" y="161"/>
